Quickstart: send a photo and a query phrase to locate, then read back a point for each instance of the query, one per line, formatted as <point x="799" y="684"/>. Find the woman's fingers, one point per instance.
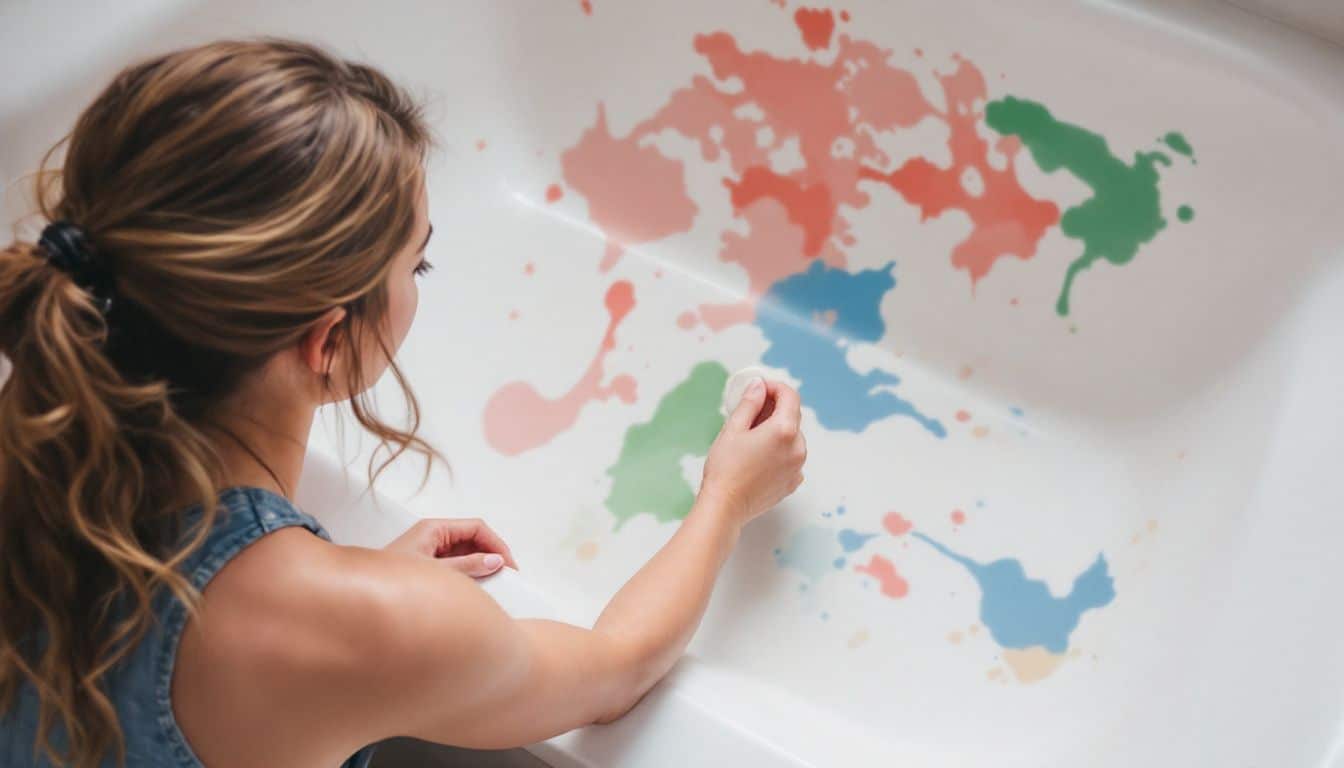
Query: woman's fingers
<point x="473" y="535"/>
<point x="477" y="565"/>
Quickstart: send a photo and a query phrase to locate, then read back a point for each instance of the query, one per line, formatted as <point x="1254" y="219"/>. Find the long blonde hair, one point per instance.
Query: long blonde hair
<point x="233" y="193"/>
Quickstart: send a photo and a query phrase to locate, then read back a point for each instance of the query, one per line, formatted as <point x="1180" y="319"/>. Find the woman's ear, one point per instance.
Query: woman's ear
<point x="319" y="347"/>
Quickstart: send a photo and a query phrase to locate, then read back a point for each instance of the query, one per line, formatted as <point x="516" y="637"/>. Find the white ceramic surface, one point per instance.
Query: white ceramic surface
<point x="1183" y="421"/>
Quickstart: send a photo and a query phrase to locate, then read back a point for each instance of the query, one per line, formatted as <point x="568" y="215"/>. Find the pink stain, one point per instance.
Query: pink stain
<point x="686" y="320"/>
<point x="518" y="418"/>
<point x="480" y="145"/>
<point x="844" y="15"/>
<point x="1005" y="219"/>
<point x="587" y="7"/>
<point x="958" y="517"/>
<point x="771" y="250"/>
<point x="963" y="415"/>
<point x="554" y="193"/>
<point x="809" y="206"/>
<point x="635" y="194"/>
<point x="816" y="26"/>
<point x="529" y="268"/>
<point x="884" y="571"/>
<point x="896" y="525"/>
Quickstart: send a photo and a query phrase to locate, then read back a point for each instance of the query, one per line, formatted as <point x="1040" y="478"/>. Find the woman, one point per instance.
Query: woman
<point x="234" y="241"/>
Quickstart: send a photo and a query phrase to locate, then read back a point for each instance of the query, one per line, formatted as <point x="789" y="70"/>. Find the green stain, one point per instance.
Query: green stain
<point x="1185" y="213"/>
<point x="647" y="478"/>
<point x="1124" y="211"/>
<point x="1178" y="144"/>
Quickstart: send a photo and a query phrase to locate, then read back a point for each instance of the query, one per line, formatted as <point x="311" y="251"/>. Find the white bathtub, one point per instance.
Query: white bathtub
<point x="1173" y="441"/>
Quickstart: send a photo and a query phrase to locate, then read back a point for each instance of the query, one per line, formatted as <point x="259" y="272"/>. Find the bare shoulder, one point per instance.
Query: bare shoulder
<point x="316" y="649"/>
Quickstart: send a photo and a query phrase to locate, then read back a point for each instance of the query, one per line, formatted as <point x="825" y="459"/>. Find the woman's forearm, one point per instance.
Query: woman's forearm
<point x="652" y="618"/>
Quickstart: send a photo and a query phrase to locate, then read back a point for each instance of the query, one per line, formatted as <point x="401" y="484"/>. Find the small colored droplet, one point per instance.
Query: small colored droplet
<point x="958" y="517"/>
<point x="963" y="415"/>
<point x="554" y="193"/>
<point x="1185" y="213"/>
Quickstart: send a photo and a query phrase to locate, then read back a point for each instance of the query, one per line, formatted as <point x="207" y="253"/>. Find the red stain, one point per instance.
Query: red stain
<point x="963" y="415"/>
<point x="686" y="320"/>
<point x="1005" y="219"/>
<point x="816" y="26"/>
<point x="480" y="145"/>
<point x="884" y="571"/>
<point x="1014" y="301"/>
<point x="919" y="51"/>
<point x="587" y="6"/>
<point x="554" y="193"/>
<point x="958" y="517"/>
<point x="529" y="268"/>
<point x="844" y="15"/>
<point x="809" y="206"/>
<point x="635" y="193"/>
<point x="896" y="525"/>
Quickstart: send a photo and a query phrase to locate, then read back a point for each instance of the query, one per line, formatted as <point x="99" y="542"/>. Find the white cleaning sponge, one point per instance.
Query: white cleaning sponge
<point x="737" y="384"/>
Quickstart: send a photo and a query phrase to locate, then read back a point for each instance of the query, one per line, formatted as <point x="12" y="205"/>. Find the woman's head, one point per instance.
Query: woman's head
<point x="246" y="205"/>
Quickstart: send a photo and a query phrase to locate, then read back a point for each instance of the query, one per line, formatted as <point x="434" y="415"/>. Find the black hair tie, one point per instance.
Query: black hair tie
<point x="69" y="251"/>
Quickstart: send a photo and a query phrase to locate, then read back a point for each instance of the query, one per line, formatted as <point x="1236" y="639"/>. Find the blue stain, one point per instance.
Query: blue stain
<point x="842" y="398"/>
<point x="1020" y="612"/>
<point x="851" y="539"/>
<point x="840" y="510"/>
<point x="1016" y="411"/>
<point x="825" y="615"/>
<point x="825" y="514"/>
<point x="839" y="562"/>
<point x="979" y="503"/>
<point x="809" y="551"/>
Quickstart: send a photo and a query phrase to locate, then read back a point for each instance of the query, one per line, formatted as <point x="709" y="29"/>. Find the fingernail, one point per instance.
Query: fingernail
<point x="493" y="562"/>
<point x="757" y="384"/>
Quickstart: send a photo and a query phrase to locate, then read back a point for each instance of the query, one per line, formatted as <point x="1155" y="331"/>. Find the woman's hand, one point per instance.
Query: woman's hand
<point x="757" y="459"/>
<point x="467" y="545"/>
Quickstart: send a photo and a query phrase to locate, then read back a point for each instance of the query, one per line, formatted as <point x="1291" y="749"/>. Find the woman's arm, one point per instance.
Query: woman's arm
<point x="303" y="650"/>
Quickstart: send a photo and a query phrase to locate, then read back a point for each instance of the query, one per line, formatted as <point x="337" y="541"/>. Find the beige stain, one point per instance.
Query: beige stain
<point x="587" y="550"/>
<point x="954" y="637"/>
<point x="1031" y="665"/>
<point x="981" y="431"/>
<point x="995" y="673"/>
<point x="974" y="629"/>
<point x="858" y="638"/>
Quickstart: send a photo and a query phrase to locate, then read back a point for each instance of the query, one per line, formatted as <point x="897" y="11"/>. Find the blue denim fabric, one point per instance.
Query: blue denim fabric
<point x="141" y="685"/>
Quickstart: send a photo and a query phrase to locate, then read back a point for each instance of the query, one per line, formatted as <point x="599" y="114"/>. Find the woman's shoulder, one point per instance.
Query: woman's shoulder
<point x="305" y="621"/>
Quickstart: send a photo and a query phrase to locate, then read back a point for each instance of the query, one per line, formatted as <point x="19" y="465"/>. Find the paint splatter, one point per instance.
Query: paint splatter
<point x="587" y="6"/>
<point x="963" y="416"/>
<point x="1124" y="211"/>
<point x="816" y="25"/>
<point x="965" y="372"/>
<point x="810" y="551"/>
<point x="635" y="193"/>
<point x="1031" y="665"/>
<point x="587" y="550"/>
<point x="554" y="193"/>
<point x="1185" y="213"/>
<point x="954" y="637"/>
<point x="842" y="398"/>
<point x="981" y="431"/>
<point x="896" y="525"/>
<point x="480" y="145"/>
<point x="884" y="571"/>
<point x="851" y="540"/>
<point x="647" y="477"/>
<point x="529" y="268"/>
<point x="958" y="517"/>
<point x="1179" y="145"/>
<point x="518" y="418"/>
<point x="686" y="320"/>
<point x="1021" y="612"/>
